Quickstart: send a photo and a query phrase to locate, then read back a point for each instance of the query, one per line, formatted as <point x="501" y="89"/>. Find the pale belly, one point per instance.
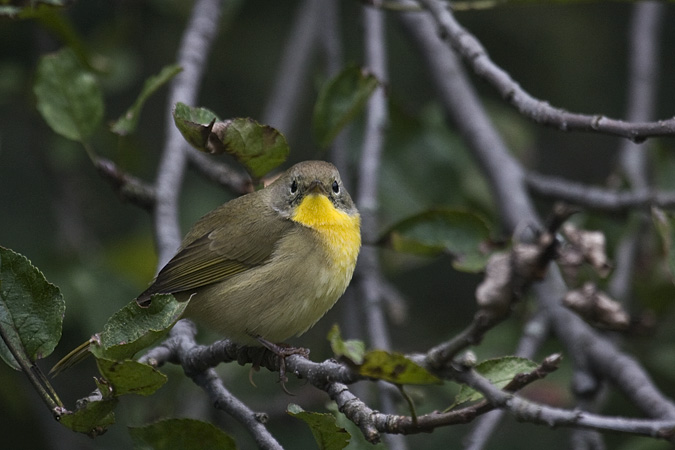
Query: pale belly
<point x="277" y="300"/>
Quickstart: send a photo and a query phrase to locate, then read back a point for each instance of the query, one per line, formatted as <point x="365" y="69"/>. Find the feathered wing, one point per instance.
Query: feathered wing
<point x="213" y="254"/>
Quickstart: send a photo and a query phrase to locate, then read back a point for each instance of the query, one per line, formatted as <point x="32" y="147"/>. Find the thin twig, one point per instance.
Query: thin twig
<point x="596" y="198"/>
<point x="536" y="413"/>
<point x="128" y="187"/>
<point x="534" y="334"/>
<point x="475" y="55"/>
<point x="220" y="173"/>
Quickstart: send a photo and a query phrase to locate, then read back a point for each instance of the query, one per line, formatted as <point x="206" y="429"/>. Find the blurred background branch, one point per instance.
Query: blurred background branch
<point x="369" y="272"/>
<point x="193" y="53"/>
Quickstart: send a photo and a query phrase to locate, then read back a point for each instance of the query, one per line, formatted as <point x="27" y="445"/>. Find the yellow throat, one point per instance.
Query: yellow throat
<point x="339" y="231"/>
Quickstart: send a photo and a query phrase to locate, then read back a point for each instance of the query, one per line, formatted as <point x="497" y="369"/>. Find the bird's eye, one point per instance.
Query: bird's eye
<point x="294" y="187"/>
<point x="336" y="187"/>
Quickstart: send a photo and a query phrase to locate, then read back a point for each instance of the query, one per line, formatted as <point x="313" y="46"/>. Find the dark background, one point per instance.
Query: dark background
<point x="57" y="211"/>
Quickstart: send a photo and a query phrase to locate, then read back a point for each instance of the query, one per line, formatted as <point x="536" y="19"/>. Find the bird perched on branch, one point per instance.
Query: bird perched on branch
<point x="265" y="266"/>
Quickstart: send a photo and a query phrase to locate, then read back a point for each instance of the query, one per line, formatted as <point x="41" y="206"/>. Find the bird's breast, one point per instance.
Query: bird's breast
<point x="338" y="232"/>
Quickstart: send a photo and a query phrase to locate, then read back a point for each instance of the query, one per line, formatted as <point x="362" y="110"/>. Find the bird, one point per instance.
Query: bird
<point x="265" y="266"/>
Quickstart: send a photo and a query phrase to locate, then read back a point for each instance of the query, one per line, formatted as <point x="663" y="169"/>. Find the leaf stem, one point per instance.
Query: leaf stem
<point x="90" y="152"/>
<point x="34" y="374"/>
<point x="411" y="404"/>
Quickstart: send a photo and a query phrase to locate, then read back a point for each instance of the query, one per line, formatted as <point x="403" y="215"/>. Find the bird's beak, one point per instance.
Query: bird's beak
<point x="317" y="187"/>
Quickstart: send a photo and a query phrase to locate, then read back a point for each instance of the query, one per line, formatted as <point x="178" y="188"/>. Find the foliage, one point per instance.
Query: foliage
<point x="463" y="234"/>
<point x="339" y="101"/>
<point x="260" y="148"/>
<point x="134" y="328"/>
<point x="435" y="204"/>
<point x="179" y="434"/>
<point x="327" y="434"/>
<point x="128" y="122"/>
<point x="500" y="371"/>
<point x="69" y="97"/>
<point x="31" y="311"/>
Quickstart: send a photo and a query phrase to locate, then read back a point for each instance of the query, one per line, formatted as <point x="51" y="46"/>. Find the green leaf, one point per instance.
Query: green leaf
<point x="194" y="124"/>
<point x="128" y="122"/>
<point x="358" y="440"/>
<point x="461" y="233"/>
<point x="180" y="434"/>
<point x="352" y="349"/>
<point x="31" y="309"/>
<point x="133" y="328"/>
<point x="500" y="371"/>
<point x="68" y="96"/>
<point x="665" y="225"/>
<point x="131" y="377"/>
<point x="259" y="148"/>
<point x="183" y="113"/>
<point x="92" y="418"/>
<point x="395" y="368"/>
<point x="326" y="433"/>
<point x="339" y="101"/>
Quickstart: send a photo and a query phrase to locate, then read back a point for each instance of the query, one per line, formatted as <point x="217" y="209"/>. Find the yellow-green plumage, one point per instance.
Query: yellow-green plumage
<point x="268" y="264"/>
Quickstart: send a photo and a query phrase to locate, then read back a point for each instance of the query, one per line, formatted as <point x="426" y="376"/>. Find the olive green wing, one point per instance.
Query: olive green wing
<point x="210" y="255"/>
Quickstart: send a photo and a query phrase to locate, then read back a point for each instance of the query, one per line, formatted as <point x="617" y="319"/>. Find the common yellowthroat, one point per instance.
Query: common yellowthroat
<point x="267" y="265"/>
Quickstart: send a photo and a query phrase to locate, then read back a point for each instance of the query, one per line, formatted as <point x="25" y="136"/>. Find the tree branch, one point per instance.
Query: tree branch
<point x="220" y="173"/>
<point x="535" y="413"/>
<point x="535" y="332"/>
<point x="475" y="55"/>
<point x="598" y="355"/>
<point x="329" y="376"/>
<point x="634" y="163"/>
<point x="128" y="187"/>
<point x="333" y="378"/>
<point x="643" y="77"/>
<point x="593" y="354"/>
<point x="181" y="348"/>
<point x="369" y="271"/>
<point x="643" y="74"/>
<point x="599" y="199"/>
<point x="195" y="45"/>
<point x="460" y="101"/>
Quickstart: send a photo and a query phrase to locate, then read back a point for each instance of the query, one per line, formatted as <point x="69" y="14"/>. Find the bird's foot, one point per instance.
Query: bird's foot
<point x="283" y="351"/>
